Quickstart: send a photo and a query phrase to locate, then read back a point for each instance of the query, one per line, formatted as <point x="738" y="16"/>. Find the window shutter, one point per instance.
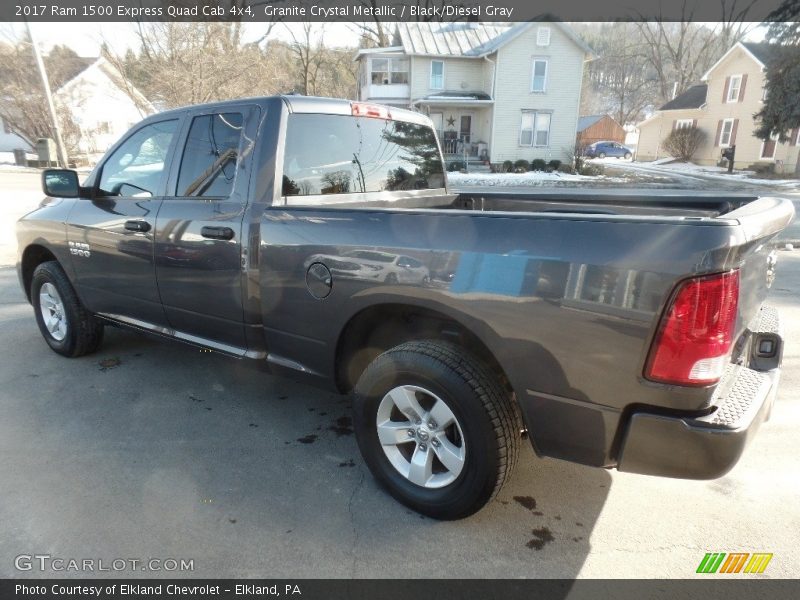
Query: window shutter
<point x="733" y="132"/>
<point x="793" y="134"/>
<point x="694" y="123"/>
<point x="741" y="87"/>
<point x="719" y="132"/>
<point x="674" y="124"/>
<point x="725" y="91"/>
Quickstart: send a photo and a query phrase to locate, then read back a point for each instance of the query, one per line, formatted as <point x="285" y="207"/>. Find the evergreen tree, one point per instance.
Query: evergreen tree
<point x="781" y="112"/>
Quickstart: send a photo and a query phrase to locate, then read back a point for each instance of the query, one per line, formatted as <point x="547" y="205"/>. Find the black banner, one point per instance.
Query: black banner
<point x="712" y="588"/>
<point x="392" y="10"/>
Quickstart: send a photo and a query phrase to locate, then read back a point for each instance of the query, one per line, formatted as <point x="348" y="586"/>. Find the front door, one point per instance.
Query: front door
<point x="465" y="129"/>
<point x="768" y="148"/>
<point x="198" y="241"/>
<point x="110" y="236"/>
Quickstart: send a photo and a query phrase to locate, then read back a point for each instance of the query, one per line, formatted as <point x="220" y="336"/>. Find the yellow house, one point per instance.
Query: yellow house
<point x="722" y="107"/>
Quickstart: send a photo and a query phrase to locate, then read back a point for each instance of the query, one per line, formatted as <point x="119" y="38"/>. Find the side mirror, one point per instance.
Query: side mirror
<point x="61" y="183"/>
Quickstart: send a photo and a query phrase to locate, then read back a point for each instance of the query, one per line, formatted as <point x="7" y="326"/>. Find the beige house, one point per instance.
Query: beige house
<point x="722" y="108"/>
<point x="495" y="92"/>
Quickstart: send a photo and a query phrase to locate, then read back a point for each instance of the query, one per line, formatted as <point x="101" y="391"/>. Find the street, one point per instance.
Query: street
<point x="152" y="449"/>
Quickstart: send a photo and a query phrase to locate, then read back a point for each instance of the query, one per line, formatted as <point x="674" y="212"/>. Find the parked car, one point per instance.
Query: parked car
<point x="603" y="149"/>
<point x="375" y="265"/>
<point x="614" y="330"/>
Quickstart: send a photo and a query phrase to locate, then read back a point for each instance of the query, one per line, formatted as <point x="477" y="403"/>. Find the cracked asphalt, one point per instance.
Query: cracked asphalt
<point x="150" y="449"/>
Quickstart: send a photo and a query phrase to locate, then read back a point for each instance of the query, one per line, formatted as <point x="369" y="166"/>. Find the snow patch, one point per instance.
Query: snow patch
<point x="531" y="178"/>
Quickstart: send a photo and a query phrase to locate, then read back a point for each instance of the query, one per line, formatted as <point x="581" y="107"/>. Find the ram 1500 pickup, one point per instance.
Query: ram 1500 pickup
<point x="318" y="236"/>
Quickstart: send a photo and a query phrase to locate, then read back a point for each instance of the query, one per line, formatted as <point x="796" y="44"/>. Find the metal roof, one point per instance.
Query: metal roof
<point x="588" y="121"/>
<point x="468" y="39"/>
<point x="447" y="39"/>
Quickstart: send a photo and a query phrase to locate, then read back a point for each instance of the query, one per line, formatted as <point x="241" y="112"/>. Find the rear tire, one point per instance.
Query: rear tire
<point x="601" y="155"/>
<point x="67" y="327"/>
<point x="628" y="156"/>
<point x="447" y="469"/>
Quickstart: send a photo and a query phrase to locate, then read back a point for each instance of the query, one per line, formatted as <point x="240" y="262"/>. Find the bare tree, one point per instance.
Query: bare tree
<point x="195" y="62"/>
<point x="309" y="55"/>
<point x="24" y="107"/>
<point x="680" y="52"/>
<point x="619" y="81"/>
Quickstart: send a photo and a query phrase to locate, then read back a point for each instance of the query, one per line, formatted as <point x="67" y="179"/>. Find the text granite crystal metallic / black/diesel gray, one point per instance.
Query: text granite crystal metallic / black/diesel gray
<point x="318" y="237"/>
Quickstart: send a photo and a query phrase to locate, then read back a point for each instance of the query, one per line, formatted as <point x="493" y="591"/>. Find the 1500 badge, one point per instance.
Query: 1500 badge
<point x="79" y="249"/>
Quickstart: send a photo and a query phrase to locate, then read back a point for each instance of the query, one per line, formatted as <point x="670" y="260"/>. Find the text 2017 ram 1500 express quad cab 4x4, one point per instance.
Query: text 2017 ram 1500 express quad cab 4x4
<point x="319" y="237"/>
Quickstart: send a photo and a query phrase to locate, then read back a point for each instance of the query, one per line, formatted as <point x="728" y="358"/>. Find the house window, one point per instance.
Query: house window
<point x="734" y="86"/>
<point x="725" y="133"/>
<point x="542" y="36"/>
<point x="764" y="94"/>
<point x="386" y="71"/>
<point x="535" y="129"/>
<point x="684" y="124"/>
<point x="437" y="74"/>
<point x="6" y="128"/>
<point x="539" y="75"/>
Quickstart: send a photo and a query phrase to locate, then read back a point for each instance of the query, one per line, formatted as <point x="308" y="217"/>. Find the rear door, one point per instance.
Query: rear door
<point x="198" y="238"/>
<point x="110" y="235"/>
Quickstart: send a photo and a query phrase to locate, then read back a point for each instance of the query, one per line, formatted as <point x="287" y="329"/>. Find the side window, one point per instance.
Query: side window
<point x="135" y="168"/>
<point x="208" y="164"/>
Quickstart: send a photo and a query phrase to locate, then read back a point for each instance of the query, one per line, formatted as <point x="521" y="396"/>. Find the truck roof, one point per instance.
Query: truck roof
<point x="306" y="104"/>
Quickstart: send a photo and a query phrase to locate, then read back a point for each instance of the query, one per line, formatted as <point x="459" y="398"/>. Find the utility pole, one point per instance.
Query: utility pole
<point x="62" y="152"/>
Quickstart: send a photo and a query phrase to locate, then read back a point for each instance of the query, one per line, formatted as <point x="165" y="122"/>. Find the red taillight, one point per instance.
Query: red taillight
<point x="370" y="110"/>
<point x="694" y="342"/>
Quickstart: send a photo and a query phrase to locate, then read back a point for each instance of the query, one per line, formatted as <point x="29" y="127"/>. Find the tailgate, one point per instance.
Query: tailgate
<point x="759" y="222"/>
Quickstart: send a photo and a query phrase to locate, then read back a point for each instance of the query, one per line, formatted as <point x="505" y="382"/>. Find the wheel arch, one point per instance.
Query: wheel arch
<point x="34" y="255"/>
<point x="378" y="327"/>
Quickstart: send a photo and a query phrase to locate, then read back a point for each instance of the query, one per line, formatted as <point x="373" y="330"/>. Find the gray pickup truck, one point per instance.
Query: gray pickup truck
<point x="318" y="236"/>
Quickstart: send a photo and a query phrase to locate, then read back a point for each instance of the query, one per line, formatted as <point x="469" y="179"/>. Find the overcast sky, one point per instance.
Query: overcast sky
<point x="86" y="38"/>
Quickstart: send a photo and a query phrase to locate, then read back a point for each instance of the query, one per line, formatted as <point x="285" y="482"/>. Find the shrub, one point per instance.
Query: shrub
<point x="683" y="143"/>
<point x="522" y="165"/>
<point x="538" y="164"/>
<point x="554" y="164"/>
<point x="508" y="166"/>
<point x="591" y="170"/>
<point x="566" y="169"/>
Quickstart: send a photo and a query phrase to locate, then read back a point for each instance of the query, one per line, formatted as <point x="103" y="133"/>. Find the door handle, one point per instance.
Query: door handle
<point x="217" y="233"/>
<point x="141" y="226"/>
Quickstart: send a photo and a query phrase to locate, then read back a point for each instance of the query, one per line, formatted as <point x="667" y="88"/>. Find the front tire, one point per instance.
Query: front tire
<point x="67" y="327"/>
<point x="601" y="155"/>
<point x="437" y="429"/>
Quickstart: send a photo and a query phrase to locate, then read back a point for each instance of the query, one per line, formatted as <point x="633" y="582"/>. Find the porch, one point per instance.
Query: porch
<point x="463" y="125"/>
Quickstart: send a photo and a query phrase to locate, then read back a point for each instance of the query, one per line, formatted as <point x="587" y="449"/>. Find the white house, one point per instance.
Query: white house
<point x="102" y="103"/>
<point x="495" y="92"/>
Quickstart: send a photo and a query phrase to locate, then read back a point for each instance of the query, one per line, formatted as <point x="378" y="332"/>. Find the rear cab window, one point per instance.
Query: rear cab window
<point x="328" y="154"/>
